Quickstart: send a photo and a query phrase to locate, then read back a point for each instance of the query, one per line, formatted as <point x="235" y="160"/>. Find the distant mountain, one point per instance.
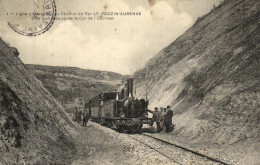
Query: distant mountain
<point x="210" y="76"/>
<point x="73" y="86"/>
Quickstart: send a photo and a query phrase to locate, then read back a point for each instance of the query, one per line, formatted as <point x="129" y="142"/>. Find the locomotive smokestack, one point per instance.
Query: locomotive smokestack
<point x="130" y="87"/>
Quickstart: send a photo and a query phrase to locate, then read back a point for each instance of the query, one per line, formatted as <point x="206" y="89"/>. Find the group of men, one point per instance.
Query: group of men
<point x="78" y="116"/>
<point x="163" y="119"/>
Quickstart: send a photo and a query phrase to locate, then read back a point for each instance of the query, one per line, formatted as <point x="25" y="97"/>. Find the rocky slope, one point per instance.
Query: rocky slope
<point x="73" y="86"/>
<point x="211" y="77"/>
<point x="33" y="126"/>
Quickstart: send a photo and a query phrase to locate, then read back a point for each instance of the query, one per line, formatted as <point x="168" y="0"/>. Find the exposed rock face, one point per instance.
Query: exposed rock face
<point x="211" y="77"/>
<point x="34" y="127"/>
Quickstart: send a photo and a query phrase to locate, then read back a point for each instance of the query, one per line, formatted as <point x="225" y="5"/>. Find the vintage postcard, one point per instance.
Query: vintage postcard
<point x="130" y="82"/>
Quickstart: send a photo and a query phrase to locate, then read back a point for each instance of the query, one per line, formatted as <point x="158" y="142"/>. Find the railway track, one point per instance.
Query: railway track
<point x="171" y="159"/>
<point x="176" y="153"/>
<point x="188" y="150"/>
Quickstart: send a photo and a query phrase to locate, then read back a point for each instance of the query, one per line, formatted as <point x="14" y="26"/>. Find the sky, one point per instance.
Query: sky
<point x="122" y="45"/>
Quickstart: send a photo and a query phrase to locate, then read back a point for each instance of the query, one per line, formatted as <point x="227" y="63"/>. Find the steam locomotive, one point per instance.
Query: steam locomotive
<point x="119" y="110"/>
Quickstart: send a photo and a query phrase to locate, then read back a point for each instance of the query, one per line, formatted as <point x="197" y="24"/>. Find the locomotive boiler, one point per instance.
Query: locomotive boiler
<point x="120" y="110"/>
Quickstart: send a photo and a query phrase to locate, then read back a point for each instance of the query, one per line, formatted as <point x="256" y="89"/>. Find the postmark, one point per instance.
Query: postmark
<point x="32" y="17"/>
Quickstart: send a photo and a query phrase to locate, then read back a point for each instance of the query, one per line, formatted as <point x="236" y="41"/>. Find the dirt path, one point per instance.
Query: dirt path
<point x="96" y="147"/>
<point x="97" y="144"/>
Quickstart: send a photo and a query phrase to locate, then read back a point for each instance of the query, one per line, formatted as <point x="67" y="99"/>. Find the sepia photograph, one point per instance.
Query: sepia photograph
<point x="130" y="82"/>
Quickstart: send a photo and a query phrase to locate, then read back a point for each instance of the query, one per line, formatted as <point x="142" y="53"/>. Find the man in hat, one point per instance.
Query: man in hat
<point x="79" y="116"/>
<point x="168" y="119"/>
<point x="85" y="118"/>
<point x="162" y="114"/>
<point x="164" y="111"/>
<point x="156" y="118"/>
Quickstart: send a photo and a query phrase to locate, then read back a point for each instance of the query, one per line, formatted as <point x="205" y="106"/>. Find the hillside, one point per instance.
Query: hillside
<point x="73" y="86"/>
<point x="210" y="76"/>
<point x="34" y="127"/>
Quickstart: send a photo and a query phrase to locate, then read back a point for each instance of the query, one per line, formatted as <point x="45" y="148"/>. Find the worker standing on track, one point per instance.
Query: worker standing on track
<point x="85" y="118"/>
<point x="164" y="111"/>
<point x="162" y="114"/>
<point x="79" y="116"/>
<point x="168" y="119"/>
<point x="156" y="118"/>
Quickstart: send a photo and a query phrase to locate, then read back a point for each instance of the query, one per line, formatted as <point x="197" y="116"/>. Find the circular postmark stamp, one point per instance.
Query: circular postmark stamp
<point x="31" y="17"/>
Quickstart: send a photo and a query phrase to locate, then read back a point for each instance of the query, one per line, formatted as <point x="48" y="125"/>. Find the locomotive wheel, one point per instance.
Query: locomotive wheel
<point x="122" y="129"/>
<point x="109" y="125"/>
<point x="113" y="125"/>
<point x="141" y="126"/>
<point x="135" y="128"/>
<point x="102" y="121"/>
<point x="140" y="129"/>
<point x="119" y="128"/>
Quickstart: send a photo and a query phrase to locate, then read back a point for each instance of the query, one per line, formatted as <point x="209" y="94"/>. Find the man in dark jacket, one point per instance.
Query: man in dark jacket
<point x="168" y="119"/>
<point x="85" y="118"/>
<point x="79" y="116"/>
<point x="157" y="118"/>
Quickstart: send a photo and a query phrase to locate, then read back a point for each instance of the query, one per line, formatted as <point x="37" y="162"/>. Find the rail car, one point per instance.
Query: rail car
<point x="119" y="110"/>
